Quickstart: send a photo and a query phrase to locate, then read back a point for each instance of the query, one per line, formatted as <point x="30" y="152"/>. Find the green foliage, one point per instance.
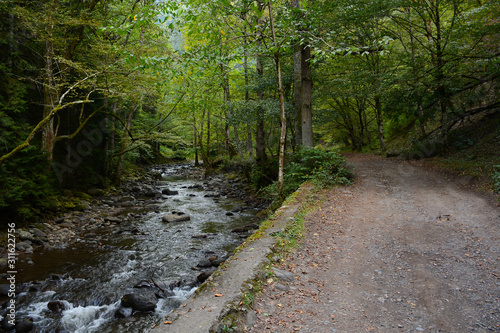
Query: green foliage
<point x="321" y="166"/>
<point x="26" y="190"/>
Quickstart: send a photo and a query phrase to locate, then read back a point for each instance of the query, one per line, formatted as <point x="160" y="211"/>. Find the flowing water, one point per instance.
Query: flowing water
<point x="90" y="281"/>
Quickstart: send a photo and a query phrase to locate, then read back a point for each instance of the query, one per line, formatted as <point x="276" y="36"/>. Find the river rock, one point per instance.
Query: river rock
<point x="57" y="306"/>
<point x="68" y="225"/>
<point x="25" y="235"/>
<point x="139" y="302"/>
<point x="24" y="325"/>
<point x="176" y="217"/>
<point x="4" y="289"/>
<point x="123" y="312"/>
<point x="203" y="276"/>
<point x="166" y="191"/>
<point x="199" y="236"/>
<point x="23" y="246"/>
<point x="239" y="230"/>
<point x="6" y="325"/>
<point x="96" y="192"/>
<point x="112" y="219"/>
<point x="204" y="263"/>
<point x="143" y="284"/>
<point x="39" y="234"/>
<point x="153" y="194"/>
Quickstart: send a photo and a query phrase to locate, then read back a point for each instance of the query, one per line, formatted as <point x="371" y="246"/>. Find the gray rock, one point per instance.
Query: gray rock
<point x="153" y="194"/>
<point x="96" y="192"/>
<point x="57" y="306"/>
<point x="203" y="276"/>
<point x="24" y="325"/>
<point x="204" y="263"/>
<point x="166" y="191"/>
<point x="23" y="246"/>
<point x="38" y="233"/>
<point x="176" y="217"/>
<point x="283" y="275"/>
<point x="25" y="235"/>
<point x="139" y="302"/>
<point x="123" y="312"/>
<point x="112" y="219"/>
<point x="68" y="225"/>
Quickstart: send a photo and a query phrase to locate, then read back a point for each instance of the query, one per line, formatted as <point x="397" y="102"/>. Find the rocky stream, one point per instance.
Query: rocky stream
<point x="124" y="261"/>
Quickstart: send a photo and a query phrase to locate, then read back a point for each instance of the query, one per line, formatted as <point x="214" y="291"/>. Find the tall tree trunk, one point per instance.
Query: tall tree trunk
<point x="195" y="142"/>
<point x="51" y="90"/>
<point x="260" y="142"/>
<point x="282" y="106"/>
<point x="306" y="96"/>
<point x="249" y="145"/>
<point x="380" y="122"/>
<point x="297" y="93"/>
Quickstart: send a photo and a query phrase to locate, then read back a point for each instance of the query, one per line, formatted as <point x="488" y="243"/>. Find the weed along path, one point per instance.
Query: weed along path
<point x="403" y="250"/>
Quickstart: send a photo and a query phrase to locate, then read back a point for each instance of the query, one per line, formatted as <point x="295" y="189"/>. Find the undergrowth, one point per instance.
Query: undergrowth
<point x="322" y="167"/>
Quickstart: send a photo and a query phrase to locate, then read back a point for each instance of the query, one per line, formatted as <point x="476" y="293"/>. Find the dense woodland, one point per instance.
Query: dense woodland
<point x="91" y="88"/>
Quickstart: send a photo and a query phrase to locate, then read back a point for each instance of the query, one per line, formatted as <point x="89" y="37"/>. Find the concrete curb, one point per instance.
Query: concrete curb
<point x="223" y="291"/>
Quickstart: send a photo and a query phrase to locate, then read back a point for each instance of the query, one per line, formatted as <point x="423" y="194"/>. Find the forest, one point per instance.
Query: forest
<point x="91" y="89"/>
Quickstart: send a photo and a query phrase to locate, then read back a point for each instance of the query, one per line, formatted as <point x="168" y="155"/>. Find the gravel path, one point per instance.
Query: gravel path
<point x="403" y="250"/>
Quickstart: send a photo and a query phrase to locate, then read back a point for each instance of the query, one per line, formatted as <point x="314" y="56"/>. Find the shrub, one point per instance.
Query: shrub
<point x="321" y="166"/>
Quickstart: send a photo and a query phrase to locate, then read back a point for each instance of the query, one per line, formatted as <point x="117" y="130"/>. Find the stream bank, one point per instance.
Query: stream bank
<point x="75" y="272"/>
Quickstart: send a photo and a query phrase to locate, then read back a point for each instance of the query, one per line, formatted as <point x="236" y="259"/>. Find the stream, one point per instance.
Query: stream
<point x="83" y="285"/>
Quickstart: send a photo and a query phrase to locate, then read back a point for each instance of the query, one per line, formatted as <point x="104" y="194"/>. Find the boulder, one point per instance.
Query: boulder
<point x="25" y="235"/>
<point x="204" y="263"/>
<point x="23" y="246"/>
<point x="166" y="191"/>
<point x="153" y="194"/>
<point x="39" y="234"/>
<point x="57" y="306"/>
<point x="176" y="217"/>
<point x="24" y="325"/>
<point x="112" y="219"/>
<point x="203" y="276"/>
<point x="139" y="302"/>
<point x="96" y="192"/>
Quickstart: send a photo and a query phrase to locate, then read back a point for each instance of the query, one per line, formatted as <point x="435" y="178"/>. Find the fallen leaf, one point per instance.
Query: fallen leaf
<point x="218" y="295"/>
<point x="168" y="322"/>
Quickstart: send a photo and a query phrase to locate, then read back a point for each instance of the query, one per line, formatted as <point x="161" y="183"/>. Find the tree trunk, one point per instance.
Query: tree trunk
<point x="260" y="142"/>
<point x="282" y="107"/>
<point x="307" y="84"/>
<point x="50" y="91"/>
<point x="380" y="123"/>
<point x="297" y="92"/>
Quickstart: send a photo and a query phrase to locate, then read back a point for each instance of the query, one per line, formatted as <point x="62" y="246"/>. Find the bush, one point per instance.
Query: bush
<point x="321" y="166"/>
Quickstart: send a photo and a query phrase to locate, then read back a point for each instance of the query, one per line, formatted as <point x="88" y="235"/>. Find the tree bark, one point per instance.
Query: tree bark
<point x="260" y="142"/>
<point x="282" y="106"/>
<point x="306" y="96"/>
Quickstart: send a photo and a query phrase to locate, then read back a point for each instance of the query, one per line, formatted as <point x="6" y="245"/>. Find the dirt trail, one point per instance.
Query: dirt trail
<point x="403" y="250"/>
